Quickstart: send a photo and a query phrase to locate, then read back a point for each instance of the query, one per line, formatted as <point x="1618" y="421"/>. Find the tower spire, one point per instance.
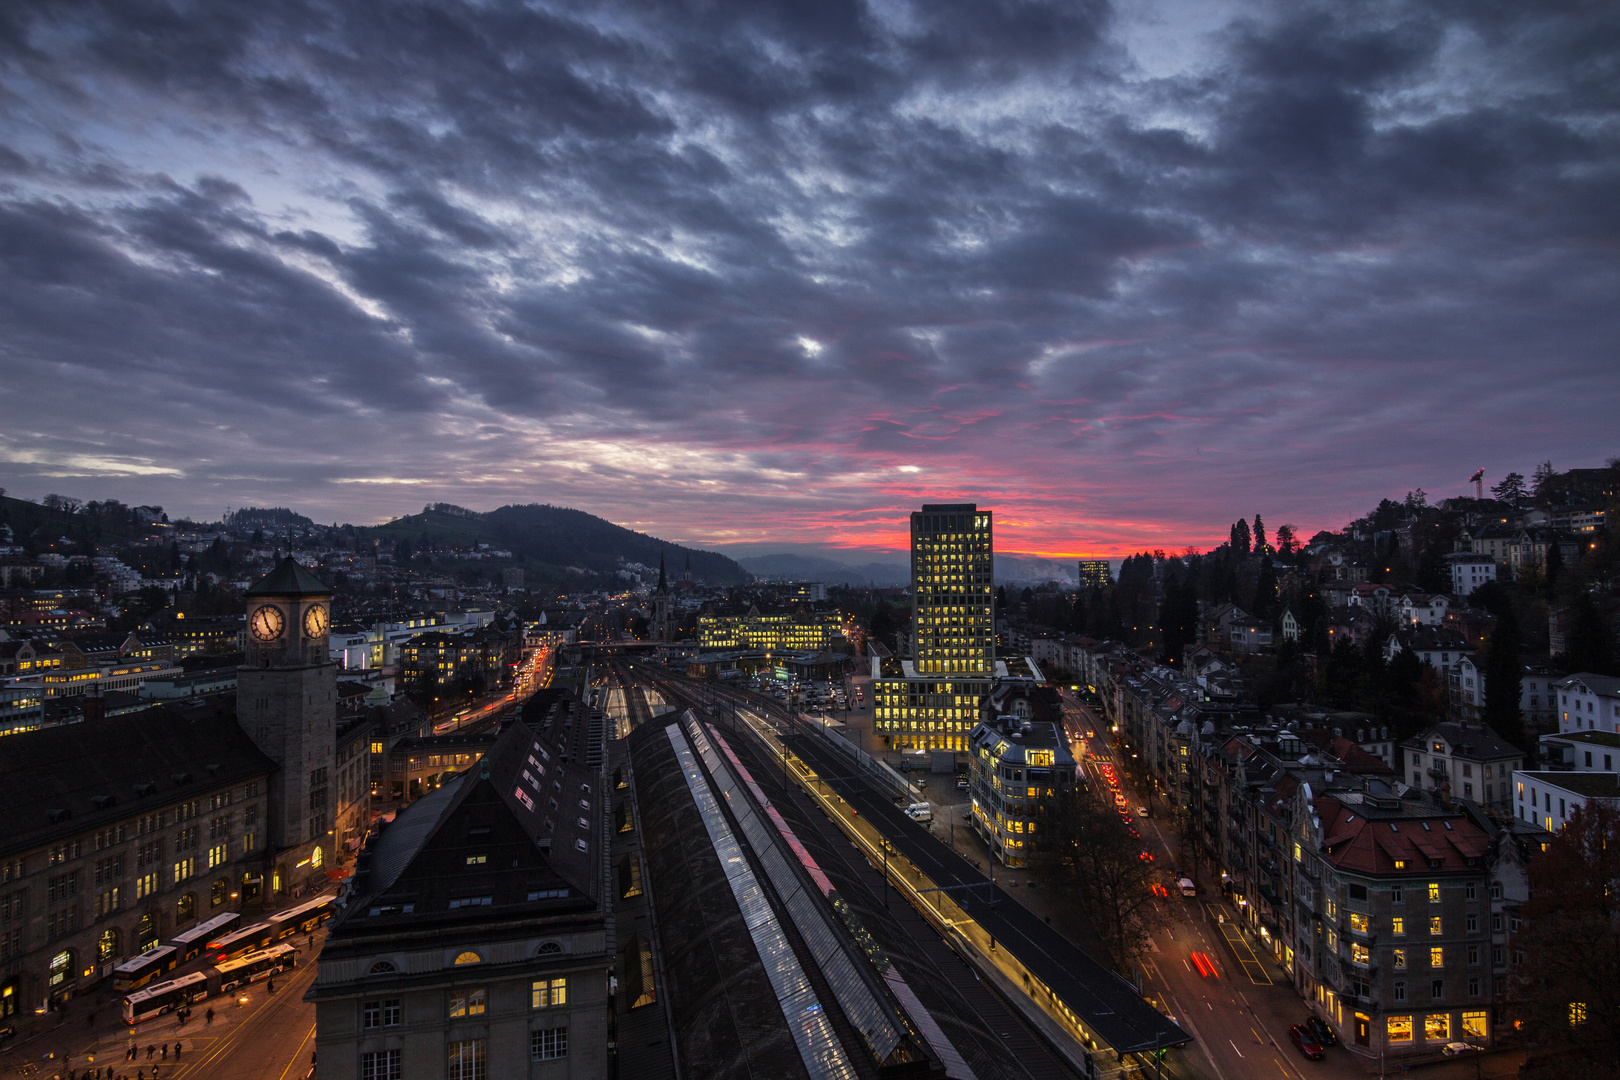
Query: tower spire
<point x="663" y="585"/>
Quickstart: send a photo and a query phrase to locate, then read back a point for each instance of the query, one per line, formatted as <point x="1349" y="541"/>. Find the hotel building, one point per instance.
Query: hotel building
<point x="934" y="699"/>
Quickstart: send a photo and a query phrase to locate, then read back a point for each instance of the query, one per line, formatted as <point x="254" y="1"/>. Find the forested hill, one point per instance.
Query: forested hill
<point x="556" y="535"/>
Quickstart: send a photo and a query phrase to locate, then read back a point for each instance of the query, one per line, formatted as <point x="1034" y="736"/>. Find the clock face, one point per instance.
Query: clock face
<point x="267" y="623"/>
<point x="316" y="621"/>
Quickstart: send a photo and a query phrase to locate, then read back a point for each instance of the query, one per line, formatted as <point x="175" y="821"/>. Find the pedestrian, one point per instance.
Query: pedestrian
<point x="209" y="1015"/>
<point x="150" y="1050"/>
<point x="177" y="1051"/>
<point x="164" y="1052"/>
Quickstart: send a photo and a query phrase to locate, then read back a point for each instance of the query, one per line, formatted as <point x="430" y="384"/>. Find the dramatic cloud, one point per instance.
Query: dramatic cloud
<point x="743" y="271"/>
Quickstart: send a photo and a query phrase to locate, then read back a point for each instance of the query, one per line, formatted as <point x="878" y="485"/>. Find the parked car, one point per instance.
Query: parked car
<point x="1301" y="1037"/>
<point x="1324" y="1034"/>
<point x="1453" y="1049"/>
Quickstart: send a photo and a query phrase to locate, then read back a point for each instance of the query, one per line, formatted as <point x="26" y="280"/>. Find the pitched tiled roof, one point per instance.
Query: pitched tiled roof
<point x="1374" y="845"/>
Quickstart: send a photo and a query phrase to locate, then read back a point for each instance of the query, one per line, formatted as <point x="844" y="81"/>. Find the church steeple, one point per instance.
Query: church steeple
<point x="663" y="585"/>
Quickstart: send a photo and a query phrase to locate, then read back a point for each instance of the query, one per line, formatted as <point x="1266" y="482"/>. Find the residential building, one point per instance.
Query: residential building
<point x="1550" y="799"/>
<point x="1463" y="760"/>
<point x="1588" y="702"/>
<point x="1469" y="571"/>
<point x="1399" y="941"/>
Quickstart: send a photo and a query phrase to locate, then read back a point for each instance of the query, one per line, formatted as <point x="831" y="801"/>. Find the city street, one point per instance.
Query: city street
<point x="266" y="1037"/>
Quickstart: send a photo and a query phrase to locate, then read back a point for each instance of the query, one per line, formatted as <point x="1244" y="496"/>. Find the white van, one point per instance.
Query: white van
<point x="920" y="811"/>
<point x="1187" y="887"/>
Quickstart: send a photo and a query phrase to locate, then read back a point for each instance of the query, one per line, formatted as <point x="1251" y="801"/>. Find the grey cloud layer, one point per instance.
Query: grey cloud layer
<point x="685" y="263"/>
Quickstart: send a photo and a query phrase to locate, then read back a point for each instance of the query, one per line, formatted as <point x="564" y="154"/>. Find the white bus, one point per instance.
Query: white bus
<point x="165" y="997"/>
<point x="240" y="942"/>
<point x="303" y="918"/>
<point x="254" y="966"/>
<point x="191" y="943"/>
<point x="136" y="973"/>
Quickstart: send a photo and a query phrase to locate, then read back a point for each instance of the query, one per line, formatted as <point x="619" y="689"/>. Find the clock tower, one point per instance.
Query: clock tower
<point x="286" y="701"/>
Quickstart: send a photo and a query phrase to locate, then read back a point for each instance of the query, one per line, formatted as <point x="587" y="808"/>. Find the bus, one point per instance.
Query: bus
<point x="192" y="943"/>
<point x="240" y="942"/>
<point x="165" y="997"/>
<point x="136" y="973"/>
<point x="255" y="966"/>
<point x="301" y="919"/>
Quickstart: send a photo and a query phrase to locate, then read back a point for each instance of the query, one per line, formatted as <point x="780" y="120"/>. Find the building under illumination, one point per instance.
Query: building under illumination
<point x="933" y="699"/>
<point x="771" y="633"/>
<point x="1094" y="574"/>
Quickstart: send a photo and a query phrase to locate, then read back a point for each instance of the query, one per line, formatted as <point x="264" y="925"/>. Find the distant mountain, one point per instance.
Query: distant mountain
<point x="810" y="568"/>
<point x="558" y="536"/>
<point x="1009" y="569"/>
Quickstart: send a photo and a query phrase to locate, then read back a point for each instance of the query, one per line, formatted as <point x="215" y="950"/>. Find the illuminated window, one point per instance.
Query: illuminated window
<point x="1437" y="1026"/>
<point x="1358" y="922"/>
<point x="466" y="1003"/>
<point x="1437" y="957"/>
<point x="1399" y="1029"/>
<point x="1474" y="1025"/>
<point x="1434" y="892"/>
<point x="469" y="958"/>
<point x="1577" y="1013"/>
<point x="548" y="993"/>
<point x="1400" y="958"/>
<point x="1434" y="926"/>
<point x="1397" y="926"/>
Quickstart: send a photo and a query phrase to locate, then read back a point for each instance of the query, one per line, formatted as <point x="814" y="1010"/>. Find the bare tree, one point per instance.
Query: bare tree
<point x="1090" y="857"/>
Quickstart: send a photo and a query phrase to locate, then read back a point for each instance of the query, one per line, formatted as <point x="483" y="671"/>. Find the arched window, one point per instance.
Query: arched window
<point x="469" y="958"/>
<point x="147" y="934"/>
<point x="107" y="945"/>
<point x="382" y="967"/>
<point x="219" y="892"/>
<point x="185" y="908"/>
<point x="548" y="948"/>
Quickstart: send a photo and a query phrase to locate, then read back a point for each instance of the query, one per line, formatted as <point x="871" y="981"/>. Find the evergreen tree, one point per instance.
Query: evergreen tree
<point x="1259" y="536"/>
<point x="1240" y="538"/>
<point x="1285" y="540"/>
<point x="1587" y="646"/>
<point x="1265" y="592"/>
<point x="1511" y="489"/>
<point x="1503" y="670"/>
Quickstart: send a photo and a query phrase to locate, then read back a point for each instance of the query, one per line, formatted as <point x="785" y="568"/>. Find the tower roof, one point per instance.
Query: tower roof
<point x="289" y="578"/>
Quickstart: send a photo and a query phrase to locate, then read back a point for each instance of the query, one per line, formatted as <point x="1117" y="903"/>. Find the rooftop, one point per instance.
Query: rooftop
<point x="1590" y="785"/>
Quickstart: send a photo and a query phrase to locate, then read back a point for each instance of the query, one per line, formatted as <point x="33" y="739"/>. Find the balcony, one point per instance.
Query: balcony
<point x="1438" y="772"/>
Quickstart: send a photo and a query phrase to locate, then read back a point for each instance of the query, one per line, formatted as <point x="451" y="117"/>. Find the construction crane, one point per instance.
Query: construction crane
<point x="1478" y="480"/>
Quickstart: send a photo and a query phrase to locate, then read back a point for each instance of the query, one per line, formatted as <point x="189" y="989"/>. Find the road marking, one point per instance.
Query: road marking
<point x="298" y="1053"/>
<point x="1245" y="955"/>
<point x="1234" y="1047"/>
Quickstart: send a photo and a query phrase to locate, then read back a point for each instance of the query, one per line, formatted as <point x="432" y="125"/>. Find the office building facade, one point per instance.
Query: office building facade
<point x="933" y="700"/>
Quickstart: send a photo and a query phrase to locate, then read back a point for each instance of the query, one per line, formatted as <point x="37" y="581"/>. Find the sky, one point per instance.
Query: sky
<point x="777" y="273"/>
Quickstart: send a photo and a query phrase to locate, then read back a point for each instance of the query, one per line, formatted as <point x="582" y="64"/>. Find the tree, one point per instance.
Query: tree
<point x="1240" y="538"/>
<point x="1511" y="489"/>
<point x="1568" y="986"/>
<point x="1503" y="670"/>
<point x="882" y="626"/>
<point x="1095" y="865"/>
<point x="1265" y="592"/>
<point x="1259" y="536"/>
<point x="1543" y="474"/>
<point x="1286" y="539"/>
<point x="1587" y="645"/>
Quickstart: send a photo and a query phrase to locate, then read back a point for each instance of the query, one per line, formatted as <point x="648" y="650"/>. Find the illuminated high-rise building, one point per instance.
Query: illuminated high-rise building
<point x="952" y="590"/>
<point x="1094" y="574"/>
<point x="932" y="699"/>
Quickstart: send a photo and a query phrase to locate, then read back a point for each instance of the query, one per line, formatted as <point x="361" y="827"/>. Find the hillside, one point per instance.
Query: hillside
<point x="556" y="536"/>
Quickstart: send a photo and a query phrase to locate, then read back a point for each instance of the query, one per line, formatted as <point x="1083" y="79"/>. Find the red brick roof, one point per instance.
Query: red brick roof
<point x="1364" y="846"/>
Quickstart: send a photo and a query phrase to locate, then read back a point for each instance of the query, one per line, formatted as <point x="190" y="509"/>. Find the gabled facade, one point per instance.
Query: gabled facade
<point x="473" y="939"/>
<point x="1464" y="761"/>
